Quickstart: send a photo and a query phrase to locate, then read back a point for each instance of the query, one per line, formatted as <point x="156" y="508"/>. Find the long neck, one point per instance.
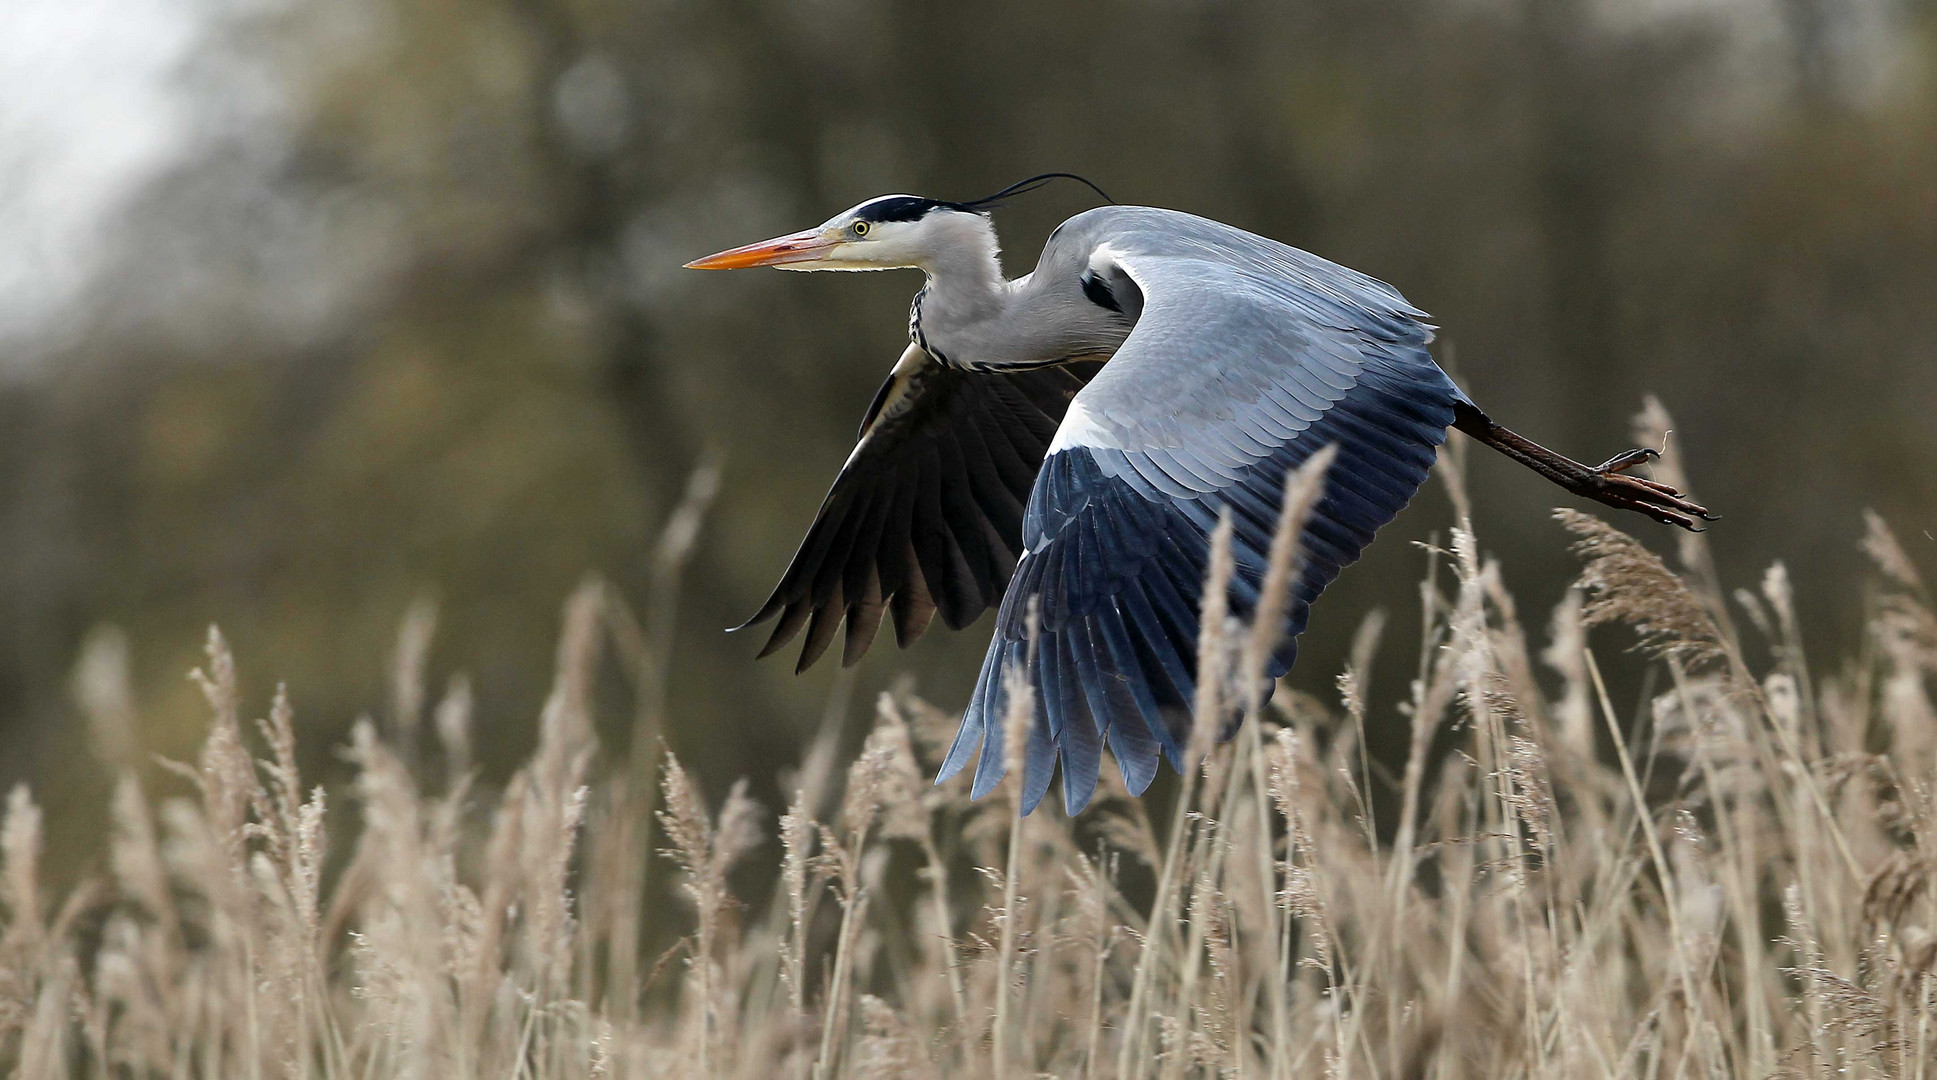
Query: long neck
<point x="966" y="295"/>
<point x="969" y="315"/>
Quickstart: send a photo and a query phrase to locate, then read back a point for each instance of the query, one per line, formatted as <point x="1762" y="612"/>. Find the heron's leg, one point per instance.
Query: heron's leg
<point x="1607" y="483"/>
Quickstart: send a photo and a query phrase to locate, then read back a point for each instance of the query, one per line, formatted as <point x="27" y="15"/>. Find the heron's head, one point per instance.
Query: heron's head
<point x="885" y="233"/>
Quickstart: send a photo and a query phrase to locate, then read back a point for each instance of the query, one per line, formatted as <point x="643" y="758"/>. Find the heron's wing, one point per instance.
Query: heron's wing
<point x="927" y="513"/>
<point x="1248" y="357"/>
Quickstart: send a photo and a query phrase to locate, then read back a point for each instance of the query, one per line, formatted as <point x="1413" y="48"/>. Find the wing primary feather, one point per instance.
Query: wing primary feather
<point x="914" y="608"/>
<point x="775" y="603"/>
<point x="863" y="558"/>
<point x="1052" y="702"/>
<point x="958" y="600"/>
<point x="1000" y="502"/>
<point x="1053" y="590"/>
<point x="863" y="622"/>
<point x="1012" y="466"/>
<point x="894" y="561"/>
<point x="832" y="565"/>
<point x="791" y="620"/>
<point x="1171" y="584"/>
<point x="1124" y="676"/>
<point x="928" y="536"/>
<point x="1039" y="756"/>
<point x="1082" y="744"/>
<point x="1160" y="653"/>
<point x="973" y="591"/>
<point x="968" y="738"/>
<point x="820" y="632"/>
<point x="988" y="770"/>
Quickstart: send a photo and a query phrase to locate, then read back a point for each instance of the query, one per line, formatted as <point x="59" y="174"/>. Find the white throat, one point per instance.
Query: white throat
<point x="963" y="261"/>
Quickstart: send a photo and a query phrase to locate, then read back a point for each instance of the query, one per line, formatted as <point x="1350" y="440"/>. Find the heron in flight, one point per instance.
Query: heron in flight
<point x="1066" y="441"/>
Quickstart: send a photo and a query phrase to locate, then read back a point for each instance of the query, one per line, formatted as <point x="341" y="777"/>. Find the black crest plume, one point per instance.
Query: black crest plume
<point x="1024" y="187"/>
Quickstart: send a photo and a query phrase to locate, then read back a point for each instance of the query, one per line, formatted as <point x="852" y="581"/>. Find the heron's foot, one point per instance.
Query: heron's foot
<point x="1610" y="484"/>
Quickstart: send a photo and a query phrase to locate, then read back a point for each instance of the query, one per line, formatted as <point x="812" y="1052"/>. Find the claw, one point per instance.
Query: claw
<point x="1657" y="501"/>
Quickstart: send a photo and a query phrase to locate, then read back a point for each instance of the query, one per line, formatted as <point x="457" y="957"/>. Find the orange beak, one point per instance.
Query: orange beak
<point x="793" y="248"/>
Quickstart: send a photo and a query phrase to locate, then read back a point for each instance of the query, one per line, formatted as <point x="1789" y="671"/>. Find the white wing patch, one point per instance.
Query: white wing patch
<point x="1079" y="428"/>
<point x="1106" y="256"/>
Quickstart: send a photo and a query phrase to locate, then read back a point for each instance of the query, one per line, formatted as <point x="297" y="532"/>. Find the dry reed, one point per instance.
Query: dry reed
<point x="1740" y="886"/>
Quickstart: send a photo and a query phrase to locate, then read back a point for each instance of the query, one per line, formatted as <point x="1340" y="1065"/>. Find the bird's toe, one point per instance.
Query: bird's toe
<point x="1628" y="459"/>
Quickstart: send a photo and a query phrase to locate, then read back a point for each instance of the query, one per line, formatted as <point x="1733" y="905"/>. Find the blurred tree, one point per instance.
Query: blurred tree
<point x="410" y="321"/>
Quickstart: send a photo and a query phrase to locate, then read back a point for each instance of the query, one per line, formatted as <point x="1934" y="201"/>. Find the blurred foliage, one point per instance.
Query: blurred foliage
<point x="418" y="329"/>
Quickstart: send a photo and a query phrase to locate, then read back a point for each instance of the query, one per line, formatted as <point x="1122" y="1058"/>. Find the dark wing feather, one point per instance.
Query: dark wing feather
<point x="926" y="516"/>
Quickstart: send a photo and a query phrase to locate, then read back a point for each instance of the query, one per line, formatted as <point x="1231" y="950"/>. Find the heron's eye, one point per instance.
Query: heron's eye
<point x="859" y="228"/>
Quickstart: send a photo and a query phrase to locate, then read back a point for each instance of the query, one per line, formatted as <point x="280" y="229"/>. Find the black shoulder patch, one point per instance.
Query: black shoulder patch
<point x="1099" y="293"/>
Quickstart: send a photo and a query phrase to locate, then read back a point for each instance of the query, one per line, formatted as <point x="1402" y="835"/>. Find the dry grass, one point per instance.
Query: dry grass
<point x="1742" y="886"/>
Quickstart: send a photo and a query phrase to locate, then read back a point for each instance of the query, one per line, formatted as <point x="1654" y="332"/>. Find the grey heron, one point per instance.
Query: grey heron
<point x="1068" y="439"/>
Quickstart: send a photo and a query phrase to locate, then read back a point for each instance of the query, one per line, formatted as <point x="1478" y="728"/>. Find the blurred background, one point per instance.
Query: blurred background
<point x="310" y="311"/>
